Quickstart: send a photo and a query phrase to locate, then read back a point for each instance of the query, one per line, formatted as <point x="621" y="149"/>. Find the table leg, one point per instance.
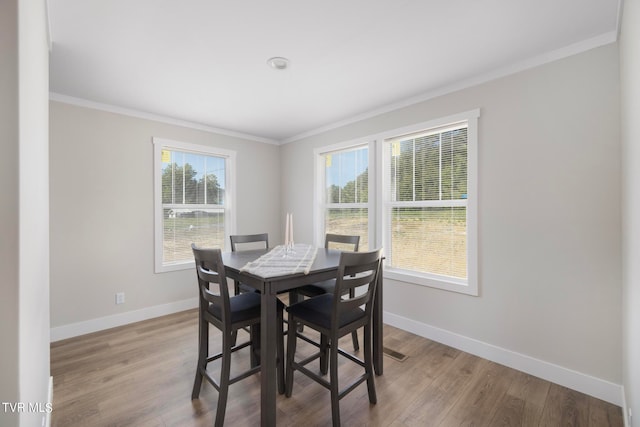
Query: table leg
<point x="268" y="340"/>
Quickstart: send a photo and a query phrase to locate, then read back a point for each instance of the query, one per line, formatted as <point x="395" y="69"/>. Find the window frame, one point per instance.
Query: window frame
<point x="319" y="191"/>
<point x="379" y="192"/>
<point x="160" y="144"/>
<point x="470" y="285"/>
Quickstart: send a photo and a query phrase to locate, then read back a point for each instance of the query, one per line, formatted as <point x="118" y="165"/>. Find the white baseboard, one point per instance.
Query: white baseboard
<point x="81" y="328"/>
<point x="596" y="387"/>
<point x="47" y="420"/>
<point x="625" y="410"/>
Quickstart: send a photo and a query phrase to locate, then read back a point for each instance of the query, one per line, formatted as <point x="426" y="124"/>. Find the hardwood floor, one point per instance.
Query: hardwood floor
<point x="142" y="374"/>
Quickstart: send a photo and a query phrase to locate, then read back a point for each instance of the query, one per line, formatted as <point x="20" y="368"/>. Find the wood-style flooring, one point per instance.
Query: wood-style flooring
<point x="141" y="375"/>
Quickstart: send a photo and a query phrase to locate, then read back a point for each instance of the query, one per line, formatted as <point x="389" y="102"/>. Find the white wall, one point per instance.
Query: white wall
<point x="34" y="207"/>
<point x="549" y="216"/>
<point x="630" y="84"/>
<point x="102" y="236"/>
<point x="24" y="215"/>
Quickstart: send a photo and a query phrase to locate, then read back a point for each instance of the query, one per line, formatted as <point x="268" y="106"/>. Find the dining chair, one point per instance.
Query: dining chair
<point x="244" y="242"/>
<point x="240" y="242"/>
<point x="338" y="241"/>
<point x="335" y="315"/>
<point x="228" y="314"/>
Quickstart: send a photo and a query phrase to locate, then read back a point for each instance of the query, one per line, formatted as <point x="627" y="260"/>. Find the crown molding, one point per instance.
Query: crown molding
<point x="573" y="49"/>
<point x="80" y="102"/>
<point x="564" y="52"/>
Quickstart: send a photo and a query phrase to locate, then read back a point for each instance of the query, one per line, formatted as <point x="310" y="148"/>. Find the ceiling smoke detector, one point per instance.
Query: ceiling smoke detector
<point x="278" y="62"/>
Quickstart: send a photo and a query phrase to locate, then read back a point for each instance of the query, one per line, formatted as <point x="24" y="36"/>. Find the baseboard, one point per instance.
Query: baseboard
<point x="94" y="325"/>
<point x="625" y="409"/>
<point x="569" y="378"/>
<point x="47" y="420"/>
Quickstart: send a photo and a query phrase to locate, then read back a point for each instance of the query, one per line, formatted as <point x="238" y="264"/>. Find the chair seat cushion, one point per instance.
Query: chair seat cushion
<point x="318" y="288"/>
<point x="246" y="288"/>
<point x="317" y="310"/>
<point x="243" y="307"/>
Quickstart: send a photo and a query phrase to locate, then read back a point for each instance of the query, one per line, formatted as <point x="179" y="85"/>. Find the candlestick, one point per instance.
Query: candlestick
<point x="291" y="230"/>
<point x="286" y="231"/>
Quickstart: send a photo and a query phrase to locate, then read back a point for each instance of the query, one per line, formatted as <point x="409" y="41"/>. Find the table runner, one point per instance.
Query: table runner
<point x="279" y="261"/>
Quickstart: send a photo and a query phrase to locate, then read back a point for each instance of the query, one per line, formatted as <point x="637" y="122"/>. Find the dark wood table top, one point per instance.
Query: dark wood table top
<point x="324" y="267"/>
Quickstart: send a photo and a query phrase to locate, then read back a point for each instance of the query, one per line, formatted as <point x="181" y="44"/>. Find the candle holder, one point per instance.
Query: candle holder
<point x="288" y="236"/>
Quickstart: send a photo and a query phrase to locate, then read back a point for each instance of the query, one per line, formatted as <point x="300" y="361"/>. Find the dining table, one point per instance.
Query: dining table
<point x="324" y="267"/>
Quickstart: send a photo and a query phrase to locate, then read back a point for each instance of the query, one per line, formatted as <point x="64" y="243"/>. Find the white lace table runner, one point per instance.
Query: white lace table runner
<point x="279" y="262"/>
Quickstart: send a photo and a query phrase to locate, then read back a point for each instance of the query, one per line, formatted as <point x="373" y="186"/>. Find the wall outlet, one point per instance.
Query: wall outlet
<point x="120" y="298"/>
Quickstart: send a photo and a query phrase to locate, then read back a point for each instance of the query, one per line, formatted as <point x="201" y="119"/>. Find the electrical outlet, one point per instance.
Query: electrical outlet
<point x="120" y="298"/>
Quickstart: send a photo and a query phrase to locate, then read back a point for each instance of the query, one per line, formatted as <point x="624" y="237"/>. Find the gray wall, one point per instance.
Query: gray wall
<point x="549" y="213"/>
<point x="102" y="236"/>
<point x="630" y="82"/>
<point x="24" y="211"/>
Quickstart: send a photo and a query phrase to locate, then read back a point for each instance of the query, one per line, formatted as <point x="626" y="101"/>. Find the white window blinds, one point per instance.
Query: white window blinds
<point x="346" y="193"/>
<point x="427" y="201"/>
<point x="193" y="200"/>
<point x="193" y="203"/>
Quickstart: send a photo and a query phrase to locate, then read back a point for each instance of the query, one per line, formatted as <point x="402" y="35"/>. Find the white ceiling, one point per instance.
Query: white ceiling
<point x="204" y="61"/>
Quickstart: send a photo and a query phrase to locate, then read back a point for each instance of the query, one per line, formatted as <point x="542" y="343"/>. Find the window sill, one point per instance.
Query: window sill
<point x="444" y="283"/>
<point x="186" y="265"/>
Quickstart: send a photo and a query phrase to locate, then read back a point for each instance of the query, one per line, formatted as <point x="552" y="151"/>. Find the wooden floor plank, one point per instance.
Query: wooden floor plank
<point x="436" y="400"/>
<point x="478" y="403"/>
<point x="603" y="414"/>
<point x="565" y="407"/>
<point x="532" y="391"/>
<point x="142" y="375"/>
<point x="509" y="413"/>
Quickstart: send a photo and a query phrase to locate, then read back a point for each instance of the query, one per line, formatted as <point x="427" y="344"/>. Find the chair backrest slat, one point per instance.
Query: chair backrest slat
<point x="210" y="271"/>
<point x="343" y="240"/>
<point x="357" y="271"/>
<point x="249" y="238"/>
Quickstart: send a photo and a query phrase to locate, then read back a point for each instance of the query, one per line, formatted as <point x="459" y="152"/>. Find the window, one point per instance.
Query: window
<point x="429" y="208"/>
<point x="421" y="207"/>
<point x="193" y="195"/>
<point x="342" y="182"/>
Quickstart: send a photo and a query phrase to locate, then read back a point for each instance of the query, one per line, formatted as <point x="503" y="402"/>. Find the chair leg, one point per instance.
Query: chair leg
<point x="324" y="354"/>
<point x="335" y="390"/>
<point x="254" y="338"/>
<point x="280" y="352"/>
<point x="295" y="297"/>
<point x="291" y="353"/>
<point x="354" y="335"/>
<point x="234" y="334"/>
<point x="225" y="372"/>
<point x="368" y="364"/>
<point x="203" y="351"/>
